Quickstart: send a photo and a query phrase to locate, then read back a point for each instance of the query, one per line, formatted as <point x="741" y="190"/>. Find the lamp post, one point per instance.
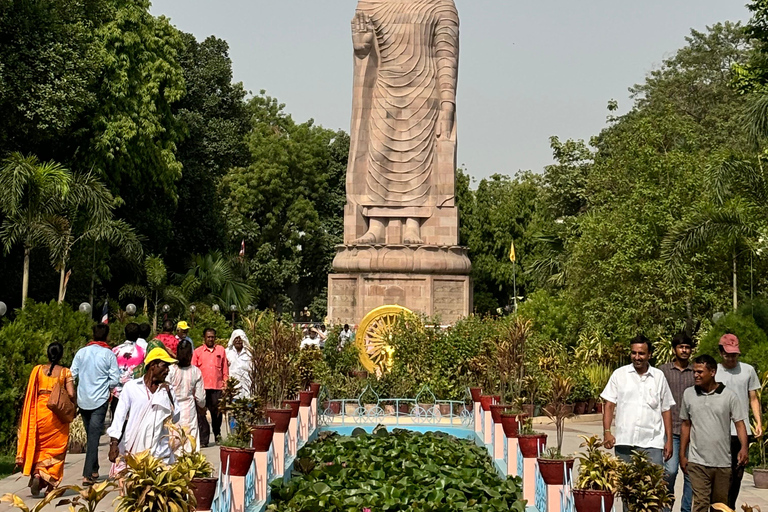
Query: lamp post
<point x="233" y="309"/>
<point x="166" y="308"/>
<point x="130" y="309"/>
<point x="3" y="309"/>
<point x="215" y="308"/>
<point x="85" y="308"/>
<point x="192" y="310"/>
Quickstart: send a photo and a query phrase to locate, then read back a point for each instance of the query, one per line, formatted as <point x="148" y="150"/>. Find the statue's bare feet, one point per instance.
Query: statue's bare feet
<point x="411" y="234"/>
<point x="374" y="235"/>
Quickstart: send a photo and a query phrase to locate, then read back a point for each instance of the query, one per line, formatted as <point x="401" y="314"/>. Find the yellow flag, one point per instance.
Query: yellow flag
<point x="512" y="252"/>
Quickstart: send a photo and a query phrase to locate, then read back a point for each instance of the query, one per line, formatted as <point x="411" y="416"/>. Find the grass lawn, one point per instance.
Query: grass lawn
<point x="6" y="465"/>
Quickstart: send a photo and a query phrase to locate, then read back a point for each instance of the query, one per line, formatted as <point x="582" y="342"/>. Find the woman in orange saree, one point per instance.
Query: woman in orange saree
<point x="43" y="438"/>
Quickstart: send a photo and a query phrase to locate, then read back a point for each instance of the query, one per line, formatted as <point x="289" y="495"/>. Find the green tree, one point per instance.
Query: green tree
<point x="30" y="191"/>
<point x="646" y="178"/>
<point x="156" y="289"/>
<point x="287" y="205"/>
<point x="216" y="120"/>
<point x="84" y="213"/>
<point x="214" y="278"/>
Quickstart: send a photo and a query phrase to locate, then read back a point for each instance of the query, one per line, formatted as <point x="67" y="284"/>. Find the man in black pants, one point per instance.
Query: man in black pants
<point x="95" y="371"/>
<point x="212" y="361"/>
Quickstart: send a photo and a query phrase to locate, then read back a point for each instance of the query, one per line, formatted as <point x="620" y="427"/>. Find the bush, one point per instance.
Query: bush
<point x="753" y="341"/>
<point x="23" y="345"/>
<point x="205" y="317"/>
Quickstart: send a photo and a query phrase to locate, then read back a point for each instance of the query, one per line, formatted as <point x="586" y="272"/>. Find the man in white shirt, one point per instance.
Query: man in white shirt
<point x="742" y="379"/>
<point x="146" y="403"/>
<point x="345" y="336"/>
<point x="311" y="340"/>
<point x="639" y="398"/>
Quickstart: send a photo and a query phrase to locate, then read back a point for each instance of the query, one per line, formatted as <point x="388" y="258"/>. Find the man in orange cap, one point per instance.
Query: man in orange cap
<point x="740" y="378"/>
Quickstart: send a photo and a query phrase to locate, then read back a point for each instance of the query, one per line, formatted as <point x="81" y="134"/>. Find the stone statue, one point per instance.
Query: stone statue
<point x="403" y="139"/>
<point x="401" y="222"/>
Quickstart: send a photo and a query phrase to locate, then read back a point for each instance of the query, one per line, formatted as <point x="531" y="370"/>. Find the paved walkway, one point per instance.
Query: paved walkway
<point x="587" y="425"/>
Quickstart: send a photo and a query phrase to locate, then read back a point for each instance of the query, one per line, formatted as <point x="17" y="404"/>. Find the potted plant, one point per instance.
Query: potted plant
<point x="170" y="486"/>
<point x="552" y="464"/>
<point x="598" y="478"/>
<point x="196" y="465"/>
<point x="581" y="393"/>
<point x="598" y="376"/>
<point x="235" y="451"/>
<point x="512" y="417"/>
<point x="274" y="373"/>
<point x="653" y="494"/>
<point x="531" y="443"/>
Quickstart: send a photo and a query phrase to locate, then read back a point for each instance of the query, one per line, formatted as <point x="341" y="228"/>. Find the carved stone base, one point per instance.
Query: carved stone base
<point x="351" y="296"/>
<point x="420" y="259"/>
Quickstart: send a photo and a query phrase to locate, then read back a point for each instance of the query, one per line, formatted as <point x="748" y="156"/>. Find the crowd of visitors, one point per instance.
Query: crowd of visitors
<point x="142" y="382"/>
<point x="689" y="417"/>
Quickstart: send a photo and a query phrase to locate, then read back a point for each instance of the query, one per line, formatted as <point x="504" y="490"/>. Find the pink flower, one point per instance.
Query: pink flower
<point x="366" y="510"/>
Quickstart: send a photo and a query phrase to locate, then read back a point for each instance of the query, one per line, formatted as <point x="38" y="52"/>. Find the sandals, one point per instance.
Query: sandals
<point x="34" y="486"/>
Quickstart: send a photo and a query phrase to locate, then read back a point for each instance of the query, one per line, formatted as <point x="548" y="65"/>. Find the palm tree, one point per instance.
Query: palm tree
<point x="85" y="213"/>
<point x="156" y="289"/>
<point x="214" y="276"/>
<point x="29" y="191"/>
<point x="740" y="189"/>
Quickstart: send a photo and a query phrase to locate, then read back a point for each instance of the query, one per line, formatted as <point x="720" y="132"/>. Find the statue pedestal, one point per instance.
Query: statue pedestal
<point x="433" y="280"/>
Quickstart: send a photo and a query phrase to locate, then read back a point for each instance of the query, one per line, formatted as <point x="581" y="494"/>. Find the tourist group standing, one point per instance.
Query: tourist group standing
<point x="686" y="416"/>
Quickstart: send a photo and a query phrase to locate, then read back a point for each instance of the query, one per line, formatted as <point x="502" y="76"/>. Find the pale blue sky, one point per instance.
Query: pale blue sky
<point x="528" y="69"/>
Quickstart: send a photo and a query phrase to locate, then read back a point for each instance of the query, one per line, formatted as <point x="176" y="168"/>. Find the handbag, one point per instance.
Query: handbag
<point x="60" y="404"/>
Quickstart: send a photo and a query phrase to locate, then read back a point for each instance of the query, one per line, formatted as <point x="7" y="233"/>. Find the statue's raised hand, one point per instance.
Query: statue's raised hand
<point x="362" y="34"/>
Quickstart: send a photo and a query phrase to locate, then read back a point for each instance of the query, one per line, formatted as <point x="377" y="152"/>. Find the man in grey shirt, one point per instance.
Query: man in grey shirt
<point x="707" y="411"/>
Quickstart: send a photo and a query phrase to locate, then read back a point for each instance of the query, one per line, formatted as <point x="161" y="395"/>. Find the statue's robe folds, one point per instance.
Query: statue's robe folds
<point x="400" y="164"/>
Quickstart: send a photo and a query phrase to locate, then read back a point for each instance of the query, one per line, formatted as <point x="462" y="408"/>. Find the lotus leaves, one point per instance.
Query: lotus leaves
<point x="396" y="471"/>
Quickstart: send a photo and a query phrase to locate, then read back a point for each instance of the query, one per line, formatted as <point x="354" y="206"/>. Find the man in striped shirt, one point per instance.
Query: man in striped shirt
<point x="679" y="374"/>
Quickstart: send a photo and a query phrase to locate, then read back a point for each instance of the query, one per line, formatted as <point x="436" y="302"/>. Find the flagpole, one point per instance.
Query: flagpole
<point x="514" y="283"/>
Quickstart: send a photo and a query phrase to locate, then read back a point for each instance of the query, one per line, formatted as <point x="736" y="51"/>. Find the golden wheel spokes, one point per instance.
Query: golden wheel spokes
<point x="376" y="333"/>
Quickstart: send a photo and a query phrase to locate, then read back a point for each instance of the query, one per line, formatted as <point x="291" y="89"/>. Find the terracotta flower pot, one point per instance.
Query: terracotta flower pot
<point x="591" y="406"/>
<point x="580" y="408"/>
<point x="315" y="389"/>
<point x="239" y="460"/>
<point x="204" y="489"/>
<point x="445" y="409"/>
<point x="761" y="478"/>
<point x="497" y="399"/>
<point x="306" y="398"/>
<point x="592" y="501"/>
<point x="360" y="374"/>
<point x="553" y="470"/>
<point x="599" y="407"/>
<point x="496" y="410"/>
<point x="403" y="409"/>
<point x="531" y="445"/>
<point x="475" y="392"/>
<point x="261" y="436"/>
<point x="511" y="424"/>
<point x="294" y="405"/>
<point x="333" y="406"/>
<point x="486" y="401"/>
<point x="281" y="418"/>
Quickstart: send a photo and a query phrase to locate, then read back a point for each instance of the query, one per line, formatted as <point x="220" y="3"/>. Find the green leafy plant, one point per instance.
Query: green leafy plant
<point x="87" y="499"/>
<point x="275" y="358"/>
<point x="192" y="461"/>
<point x="245" y="411"/>
<point x="598" y="376"/>
<point x="149" y="485"/>
<point x="598" y="470"/>
<point x="16" y="501"/>
<point x="395" y="471"/>
<point x="642" y="485"/>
